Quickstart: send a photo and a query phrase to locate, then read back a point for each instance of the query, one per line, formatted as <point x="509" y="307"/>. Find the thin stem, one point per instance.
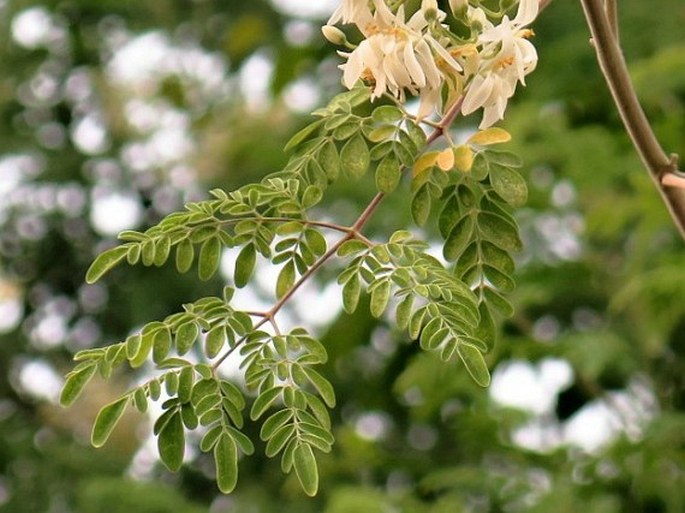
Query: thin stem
<point x="611" y="9"/>
<point x="615" y="71"/>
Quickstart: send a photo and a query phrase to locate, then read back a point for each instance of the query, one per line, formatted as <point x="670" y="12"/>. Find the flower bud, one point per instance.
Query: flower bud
<point x="429" y="9"/>
<point x="334" y="35"/>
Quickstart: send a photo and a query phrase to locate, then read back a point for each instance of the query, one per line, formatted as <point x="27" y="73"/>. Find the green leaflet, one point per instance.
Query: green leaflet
<point x="421" y="205"/>
<point x="387" y="114"/>
<point x="104" y="262"/>
<point x="107" y="419"/>
<point x="226" y="461"/>
<point x="329" y="160"/>
<point x="322" y="386"/>
<point x="302" y="135"/>
<point x="351" y="293"/>
<point x="355" y="157"/>
<point x="214" y="341"/>
<point x="75" y="383"/>
<point x="185" y="254"/>
<point x="509" y="185"/>
<point x="274" y="422"/>
<point x="499" y="231"/>
<point x="263" y="401"/>
<point x="186" y="335"/>
<point x="379" y="298"/>
<point x="388" y="174"/>
<point x="458" y="238"/>
<point x="244" y="265"/>
<point x="306" y="468"/>
<point x="171" y="442"/>
<point x="161" y="344"/>
<point x="279" y="439"/>
<point x="474" y="363"/>
<point x="286" y="279"/>
<point x="209" y="258"/>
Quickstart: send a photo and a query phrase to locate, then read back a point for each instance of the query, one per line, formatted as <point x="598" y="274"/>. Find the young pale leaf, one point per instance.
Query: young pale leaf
<point x="75" y="383"/>
<point x="445" y="160"/>
<point x="355" y="157"/>
<point x="106" y="420"/>
<point x="226" y="461"/>
<point x="379" y="299"/>
<point x="463" y="158"/>
<point x="458" y="238"/>
<point x="286" y="279"/>
<point x="306" y="469"/>
<point x="509" y="185"/>
<point x="475" y="363"/>
<point x="388" y="174"/>
<point x="171" y="442"/>
<point x="104" y="262"/>
<point x="185" y="254"/>
<point x="210" y="255"/>
<point x="244" y="265"/>
<point x="492" y="135"/>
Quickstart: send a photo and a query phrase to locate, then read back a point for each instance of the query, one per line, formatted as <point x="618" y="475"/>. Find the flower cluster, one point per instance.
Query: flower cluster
<point x="419" y="55"/>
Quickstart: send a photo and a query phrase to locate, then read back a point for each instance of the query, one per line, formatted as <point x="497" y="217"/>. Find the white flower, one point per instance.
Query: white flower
<point x="506" y="57"/>
<point x="352" y="11"/>
<point x="399" y="56"/>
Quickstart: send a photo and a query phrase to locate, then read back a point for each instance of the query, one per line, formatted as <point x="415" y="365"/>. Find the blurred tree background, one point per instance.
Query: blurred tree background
<point x="115" y="113"/>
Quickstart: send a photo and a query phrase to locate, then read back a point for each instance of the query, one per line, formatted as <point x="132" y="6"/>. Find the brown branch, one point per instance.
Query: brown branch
<point x="615" y="71"/>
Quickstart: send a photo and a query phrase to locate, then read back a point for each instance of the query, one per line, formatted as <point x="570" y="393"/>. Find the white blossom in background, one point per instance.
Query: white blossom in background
<point x="397" y="55"/>
<point x="506" y="57"/>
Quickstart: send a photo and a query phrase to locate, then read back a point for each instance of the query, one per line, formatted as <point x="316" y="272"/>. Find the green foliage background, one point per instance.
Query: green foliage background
<point x="602" y="266"/>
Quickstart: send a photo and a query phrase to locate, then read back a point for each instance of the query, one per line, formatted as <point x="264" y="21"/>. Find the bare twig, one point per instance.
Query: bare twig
<point x="611" y="9"/>
<point x="615" y="71"/>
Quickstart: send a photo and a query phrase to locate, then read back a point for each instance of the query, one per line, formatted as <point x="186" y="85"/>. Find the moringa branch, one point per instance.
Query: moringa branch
<point x="662" y="168"/>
